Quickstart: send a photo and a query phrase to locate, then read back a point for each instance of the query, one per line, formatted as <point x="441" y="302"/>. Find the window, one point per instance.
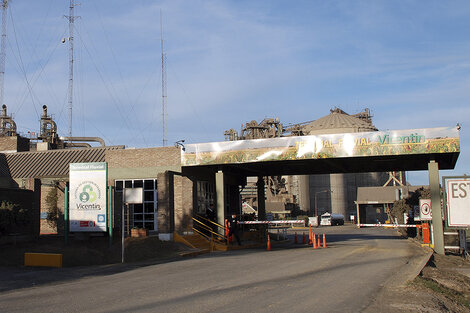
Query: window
<point x="205" y="196"/>
<point x="143" y="215"/>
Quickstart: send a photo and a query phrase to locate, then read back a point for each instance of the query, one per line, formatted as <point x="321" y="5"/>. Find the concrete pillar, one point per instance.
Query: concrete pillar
<point x="220" y="196"/>
<point x="339" y="196"/>
<point x="436" y="211"/>
<point x="358" y="215"/>
<point x="304" y="192"/>
<point x="261" y="199"/>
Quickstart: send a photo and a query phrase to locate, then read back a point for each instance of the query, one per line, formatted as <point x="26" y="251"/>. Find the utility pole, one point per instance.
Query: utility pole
<point x="71" y="19"/>
<point x="3" y="48"/>
<point x="164" y="140"/>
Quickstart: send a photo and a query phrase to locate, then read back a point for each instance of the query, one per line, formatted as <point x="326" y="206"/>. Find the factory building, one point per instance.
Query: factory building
<point x="180" y="183"/>
<point x="313" y="194"/>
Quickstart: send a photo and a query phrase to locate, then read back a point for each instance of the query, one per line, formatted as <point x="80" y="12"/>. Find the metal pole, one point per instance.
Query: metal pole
<point x="122" y="234"/>
<point x="110" y="215"/>
<point x="66" y="214"/>
<point x="437" y="228"/>
<point x="71" y="19"/>
<point x="4" y="6"/>
<point x="316" y="211"/>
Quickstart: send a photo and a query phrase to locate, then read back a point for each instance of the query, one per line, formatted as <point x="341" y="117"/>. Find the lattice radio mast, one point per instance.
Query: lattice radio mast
<point x="71" y="19"/>
<point x="4" y="5"/>
<point x="164" y="140"/>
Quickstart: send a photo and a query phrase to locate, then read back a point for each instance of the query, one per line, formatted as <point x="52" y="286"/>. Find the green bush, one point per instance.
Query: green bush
<point x="12" y="218"/>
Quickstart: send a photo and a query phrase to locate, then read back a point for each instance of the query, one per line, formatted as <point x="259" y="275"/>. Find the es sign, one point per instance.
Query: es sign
<point x="458" y="201"/>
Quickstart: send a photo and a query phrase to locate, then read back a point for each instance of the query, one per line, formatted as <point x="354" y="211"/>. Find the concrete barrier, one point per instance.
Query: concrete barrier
<point x="43" y="259"/>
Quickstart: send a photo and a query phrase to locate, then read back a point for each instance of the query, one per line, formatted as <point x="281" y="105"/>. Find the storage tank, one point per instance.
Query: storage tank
<point x="336" y="193"/>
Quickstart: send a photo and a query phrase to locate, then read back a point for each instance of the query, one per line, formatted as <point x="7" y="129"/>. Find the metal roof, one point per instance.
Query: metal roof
<point x="338" y="121"/>
<point x="51" y="163"/>
<point x="370" y="195"/>
<point x="388" y="194"/>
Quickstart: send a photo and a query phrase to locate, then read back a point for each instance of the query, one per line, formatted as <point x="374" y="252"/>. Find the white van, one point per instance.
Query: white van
<point x="329" y="219"/>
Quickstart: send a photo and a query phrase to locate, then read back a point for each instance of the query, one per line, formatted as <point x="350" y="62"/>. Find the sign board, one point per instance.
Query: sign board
<point x="88" y="197"/>
<point x="133" y="195"/>
<point x="425" y="209"/>
<point x="458" y="201"/>
<point x="346" y="145"/>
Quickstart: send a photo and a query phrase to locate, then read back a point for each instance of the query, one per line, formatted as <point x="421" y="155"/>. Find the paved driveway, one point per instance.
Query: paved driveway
<point x="345" y="277"/>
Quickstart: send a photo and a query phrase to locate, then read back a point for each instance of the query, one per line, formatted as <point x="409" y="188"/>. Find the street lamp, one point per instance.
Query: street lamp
<point x="316" y="209"/>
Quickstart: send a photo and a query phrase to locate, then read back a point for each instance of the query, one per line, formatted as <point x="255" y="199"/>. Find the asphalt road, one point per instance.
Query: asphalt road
<point x="345" y="277"/>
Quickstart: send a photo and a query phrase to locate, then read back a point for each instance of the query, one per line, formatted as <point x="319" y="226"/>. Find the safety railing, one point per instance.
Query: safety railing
<point x="209" y="229"/>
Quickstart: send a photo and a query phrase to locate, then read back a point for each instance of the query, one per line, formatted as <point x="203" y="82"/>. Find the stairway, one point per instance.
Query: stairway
<point x="200" y="243"/>
<point x="197" y="241"/>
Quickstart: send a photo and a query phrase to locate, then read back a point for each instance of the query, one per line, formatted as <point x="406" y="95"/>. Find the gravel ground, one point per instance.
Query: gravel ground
<point x="442" y="286"/>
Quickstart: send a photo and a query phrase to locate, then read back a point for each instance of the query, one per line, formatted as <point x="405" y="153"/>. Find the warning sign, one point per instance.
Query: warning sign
<point x="425" y="209"/>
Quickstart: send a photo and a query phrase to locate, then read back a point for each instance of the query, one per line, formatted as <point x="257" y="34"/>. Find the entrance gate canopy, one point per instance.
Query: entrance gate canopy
<point x="397" y="150"/>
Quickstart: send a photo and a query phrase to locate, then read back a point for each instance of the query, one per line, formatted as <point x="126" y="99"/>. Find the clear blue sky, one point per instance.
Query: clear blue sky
<point x="230" y="62"/>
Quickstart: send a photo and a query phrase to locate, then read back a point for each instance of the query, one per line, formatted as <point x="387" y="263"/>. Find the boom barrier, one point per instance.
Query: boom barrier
<point x="388" y="225"/>
<point x="273" y="222"/>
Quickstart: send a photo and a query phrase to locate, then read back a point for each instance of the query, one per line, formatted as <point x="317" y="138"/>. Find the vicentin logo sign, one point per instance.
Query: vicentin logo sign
<point x="88" y="197"/>
<point x="88" y="193"/>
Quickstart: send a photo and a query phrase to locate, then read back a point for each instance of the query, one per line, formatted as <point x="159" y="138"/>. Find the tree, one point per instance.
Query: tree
<point x="51" y="206"/>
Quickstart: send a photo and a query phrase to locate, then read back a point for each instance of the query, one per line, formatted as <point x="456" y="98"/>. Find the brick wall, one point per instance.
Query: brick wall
<point x="174" y="192"/>
<point x="143" y="158"/>
<point x="14" y="143"/>
<point x="47" y="228"/>
<point x="165" y="195"/>
<point x="183" y="203"/>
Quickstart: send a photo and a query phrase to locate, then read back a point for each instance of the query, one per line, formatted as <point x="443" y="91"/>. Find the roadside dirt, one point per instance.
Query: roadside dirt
<point x="92" y="251"/>
<point x="442" y="286"/>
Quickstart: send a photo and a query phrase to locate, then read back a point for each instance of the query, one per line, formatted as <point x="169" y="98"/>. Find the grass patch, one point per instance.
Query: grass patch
<point x="438" y="288"/>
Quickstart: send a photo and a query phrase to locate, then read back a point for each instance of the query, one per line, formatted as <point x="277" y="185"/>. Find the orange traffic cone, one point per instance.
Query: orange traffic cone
<point x="303" y="238"/>
<point x="314" y="242"/>
<point x="268" y="246"/>
<point x="319" y="242"/>
<point x="310" y="235"/>
<point x="295" y="237"/>
<point x="324" y="241"/>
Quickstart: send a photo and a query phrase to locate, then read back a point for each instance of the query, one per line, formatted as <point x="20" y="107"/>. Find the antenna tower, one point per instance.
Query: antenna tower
<point x="71" y="19"/>
<point x="164" y="141"/>
<point x="4" y="5"/>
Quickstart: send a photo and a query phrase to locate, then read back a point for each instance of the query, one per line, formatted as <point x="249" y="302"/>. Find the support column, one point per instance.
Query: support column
<point x="220" y="195"/>
<point x="261" y="199"/>
<point x="358" y="218"/>
<point x="66" y="214"/>
<point x="438" y="232"/>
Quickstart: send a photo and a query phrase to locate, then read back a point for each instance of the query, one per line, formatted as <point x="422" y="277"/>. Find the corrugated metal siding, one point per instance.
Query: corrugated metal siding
<point x="53" y="163"/>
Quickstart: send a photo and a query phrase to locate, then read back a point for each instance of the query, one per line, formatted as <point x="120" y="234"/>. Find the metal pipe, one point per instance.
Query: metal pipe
<point x="76" y="144"/>
<point x="85" y="139"/>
